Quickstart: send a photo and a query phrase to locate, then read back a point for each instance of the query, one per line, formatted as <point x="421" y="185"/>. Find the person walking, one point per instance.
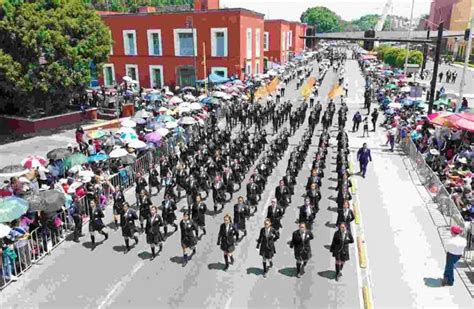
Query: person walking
<point x="300" y="242"/>
<point x="168" y="207"/>
<point x="365" y="127"/>
<point x="375" y="116"/>
<point x="129" y="229"/>
<point x="364" y="157"/>
<point x="356" y="120"/>
<point x="199" y="214"/>
<point x="275" y="214"/>
<point x="226" y="240"/>
<point x="241" y="213"/>
<point x="189" y="234"/>
<point x="96" y="224"/>
<point x="455" y="247"/>
<point x="340" y="248"/>
<point x="154" y="237"/>
<point x="266" y="244"/>
<point x="345" y="215"/>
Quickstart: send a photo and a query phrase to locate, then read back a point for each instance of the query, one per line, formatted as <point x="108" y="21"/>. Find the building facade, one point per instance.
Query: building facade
<point x="278" y="40"/>
<point x="175" y="48"/>
<point x="298" y="30"/>
<point x="459" y="21"/>
<point x="441" y="11"/>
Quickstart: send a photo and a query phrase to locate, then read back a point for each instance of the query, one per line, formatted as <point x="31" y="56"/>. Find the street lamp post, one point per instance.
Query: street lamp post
<point x="409" y="36"/>
<point x="467" y="55"/>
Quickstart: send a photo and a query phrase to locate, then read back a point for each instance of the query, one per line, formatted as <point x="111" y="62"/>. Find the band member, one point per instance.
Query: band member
<point x="307" y="213"/>
<point x="129" y="229"/>
<point x="189" y="234"/>
<point x="96" y="224"/>
<point x="241" y="213"/>
<point x="154" y="179"/>
<point x="153" y="234"/>
<point x="169" y="184"/>
<point x="252" y="194"/>
<point x="199" y="214"/>
<point x="282" y="194"/>
<point x="275" y="213"/>
<point x="226" y="240"/>
<point x="140" y="184"/>
<point x="168" y="207"/>
<point x="300" y="241"/>
<point x="340" y="247"/>
<point x="314" y="196"/>
<point x="266" y="244"/>
<point x="346" y="215"/>
<point x="218" y="193"/>
<point x="144" y="207"/>
<point x="119" y="199"/>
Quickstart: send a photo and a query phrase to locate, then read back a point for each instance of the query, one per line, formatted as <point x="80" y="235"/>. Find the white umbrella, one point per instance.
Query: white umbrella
<point x="171" y="125"/>
<point x="187" y="120"/>
<point x="86" y="173"/>
<point x="143" y="114"/>
<point x="185" y="105"/>
<point x="76" y="168"/>
<point x="272" y="73"/>
<point x="117" y="153"/>
<point x="163" y="109"/>
<point x="126" y="130"/>
<point x="190" y="97"/>
<point x="169" y="93"/>
<point x="227" y="97"/>
<point x="129" y="123"/>
<point x="137" y="144"/>
<point x="196" y="106"/>
<point x="4" y="230"/>
<point x="202" y="96"/>
<point x="163" y="131"/>
<point x="184" y="110"/>
<point x="175" y="100"/>
<point x="219" y="94"/>
<point x="395" y="105"/>
<point x="405" y="89"/>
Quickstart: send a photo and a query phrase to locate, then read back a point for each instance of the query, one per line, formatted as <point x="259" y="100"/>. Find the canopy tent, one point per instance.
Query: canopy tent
<point x="215" y="79"/>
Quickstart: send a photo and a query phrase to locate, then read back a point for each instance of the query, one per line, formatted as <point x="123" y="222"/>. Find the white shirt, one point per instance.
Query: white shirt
<point x="456" y="245"/>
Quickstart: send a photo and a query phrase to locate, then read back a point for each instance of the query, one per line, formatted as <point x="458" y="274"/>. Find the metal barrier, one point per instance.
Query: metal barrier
<point x="440" y="196"/>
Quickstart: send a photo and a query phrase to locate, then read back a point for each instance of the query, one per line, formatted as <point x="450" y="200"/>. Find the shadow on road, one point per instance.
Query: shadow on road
<point x="328" y="274"/>
<point x="177" y="259"/>
<point x="330" y="225"/>
<point x="288" y="271"/>
<point x="216" y="266"/>
<point x="433" y="282"/>
<point x="144" y="255"/>
<point x="122" y="248"/>
<point x="254" y="271"/>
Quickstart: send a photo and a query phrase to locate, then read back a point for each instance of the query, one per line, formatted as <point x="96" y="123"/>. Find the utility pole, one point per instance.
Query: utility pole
<point x="426" y="50"/>
<point x="204" y="62"/>
<point x="467" y="54"/>
<point x="435" y="67"/>
<point x="409" y="36"/>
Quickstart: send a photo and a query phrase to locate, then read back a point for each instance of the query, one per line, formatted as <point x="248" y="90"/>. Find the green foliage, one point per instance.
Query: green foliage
<point x="132" y="5"/>
<point x="323" y="18"/>
<point x="395" y="56"/>
<point x="366" y="22"/>
<point x="47" y="50"/>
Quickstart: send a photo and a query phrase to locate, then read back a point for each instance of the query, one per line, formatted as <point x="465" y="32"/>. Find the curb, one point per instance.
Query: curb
<point x="366" y="296"/>
<point x="361" y="249"/>
<point x="355" y="209"/>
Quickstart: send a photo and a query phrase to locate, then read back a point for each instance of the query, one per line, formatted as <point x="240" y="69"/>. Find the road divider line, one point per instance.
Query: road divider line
<point x="355" y="209"/>
<point x="367" y="298"/>
<point x="361" y="249"/>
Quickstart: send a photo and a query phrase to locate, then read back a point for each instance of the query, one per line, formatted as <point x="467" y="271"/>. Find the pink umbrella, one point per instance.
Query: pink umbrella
<point x="153" y="137"/>
<point x="466" y="115"/>
<point x="34" y="162"/>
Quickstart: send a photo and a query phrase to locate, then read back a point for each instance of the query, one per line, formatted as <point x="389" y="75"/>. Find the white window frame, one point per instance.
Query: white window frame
<point x="266" y="41"/>
<point x="248" y="68"/>
<point x="154" y="67"/>
<point x="109" y="65"/>
<point x="135" y="66"/>
<point x="290" y="38"/>
<point x="176" y="40"/>
<point x="258" y="41"/>
<point x="257" y="67"/>
<point x="149" y="34"/>
<point x="125" y="41"/>
<point x="112" y="44"/>
<point x="249" y="44"/>
<point x="283" y="41"/>
<point x="214" y="69"/>
<point x="214" y="42"/>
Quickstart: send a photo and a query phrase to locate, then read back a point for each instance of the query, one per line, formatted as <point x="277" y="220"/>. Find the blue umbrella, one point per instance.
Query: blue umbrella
<point x="12" y="208"/>
<point x="98" y="157"/>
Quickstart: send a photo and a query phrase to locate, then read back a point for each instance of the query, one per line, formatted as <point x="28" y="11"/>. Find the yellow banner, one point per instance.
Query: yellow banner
<point x="308" y="87"/>
<point x="272" y="87"/>
<point x="261" y="92"/>
<point x="335" y="91"/>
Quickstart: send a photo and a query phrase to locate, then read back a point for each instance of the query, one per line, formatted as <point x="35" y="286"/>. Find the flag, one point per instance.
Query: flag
<point x="335" y="91"/>
<point x="272" y="87"/>
<point x="308" y="87"/>
<point x="261" y="92"/>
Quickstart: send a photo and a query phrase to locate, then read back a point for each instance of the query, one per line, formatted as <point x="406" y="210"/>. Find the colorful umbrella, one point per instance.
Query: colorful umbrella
<point x="196" y="106"/>
<point x="98" y="157"/>
<point x="391" y="86"/>
<point x="163" y="131"/>
<point x="97" y="134"/>
<point x="139" y="120"/>
<point x="175" y="100"/>
<point x="171" y="125"/>
<point x="12" y="208"/>
<point x="75" y="159"/>
<point x="117" y="153"/>
<point x="442" y="101"/>
<point x="58" y="154"/>
<point x="128" y="136"/>
<point x="143" y="114"/>
<point x="4" y="230"/>
<point x="137" y="144"/>
<point x="153" y="137"/>
<point x="129" y="123"/>
<point x="34" y="162"/>
<point x="54" y="200"/>
<point x="165" y="118"/>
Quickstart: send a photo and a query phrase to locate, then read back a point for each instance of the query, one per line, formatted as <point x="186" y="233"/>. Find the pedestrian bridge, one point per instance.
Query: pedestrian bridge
<point x="384" y="35"/>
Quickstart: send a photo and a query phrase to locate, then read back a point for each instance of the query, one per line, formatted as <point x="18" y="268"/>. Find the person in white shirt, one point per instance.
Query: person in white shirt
<point x="454" y="250"/>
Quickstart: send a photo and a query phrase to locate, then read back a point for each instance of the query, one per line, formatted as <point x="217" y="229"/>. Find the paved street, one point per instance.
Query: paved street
<point x="454" y="87"/>
<point x="75" y="276"/>
<point x="405" y="253"/>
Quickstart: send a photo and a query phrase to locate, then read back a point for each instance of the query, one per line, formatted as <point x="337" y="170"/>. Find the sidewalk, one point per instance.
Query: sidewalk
<point x="404" y="251"/>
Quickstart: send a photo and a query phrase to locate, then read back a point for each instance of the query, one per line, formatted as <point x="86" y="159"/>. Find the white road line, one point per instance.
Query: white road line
<point x="228" y="302"/>
<point x="116" y="289"/>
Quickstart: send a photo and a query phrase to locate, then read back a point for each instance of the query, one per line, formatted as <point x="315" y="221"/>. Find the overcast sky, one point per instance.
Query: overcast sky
<point x="347" y="9"/>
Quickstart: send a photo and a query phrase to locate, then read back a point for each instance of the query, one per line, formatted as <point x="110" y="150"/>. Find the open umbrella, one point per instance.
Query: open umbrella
<point x="126" y="130"/>
<point x="117" y="153"/>
<point x="391" y="86"/>
<point x="171" y="125"/>
<point x="162" y="109"/>
<point x="175" y="100"/>
<point x="127" y="160"/>
<point x="33" y="162"/>
<point x="128" y="136"/>
<point x="97" y="134"/>
<point x="219" y="94"/>
<point x="129" y="123"/>
<point x="35" y="202"/>
<point x="13" y="170"/>
<point x="54" y="200"/>
<point x="143" y="114"/>
<point x="98" y="157"/>
<point x="163" y="131"/>
<point x="196" y="106"/>
<point x="4" y="230"/>
<point x="12" y="208"/>
<point x="137" y="144"/>
<point x="187" y="120"/>
<point x="442" y="101"/>
<point x="75" y="159"/>
<point x="58" y="154"/>
<point x="139" y="120"/>
<point x="153" y="137"/>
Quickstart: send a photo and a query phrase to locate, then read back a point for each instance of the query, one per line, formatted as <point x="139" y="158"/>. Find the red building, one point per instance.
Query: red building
<point x="440" y="11"/>
<point x="159" y="49"/>
<point x="297" y="30"/>
<point x="278" y="40"/>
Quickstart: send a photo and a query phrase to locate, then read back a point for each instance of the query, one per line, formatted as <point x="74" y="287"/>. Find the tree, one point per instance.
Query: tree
<point x="48" y="52"/>
<point x="132" y="5"/>
<point x="323" y="18"/>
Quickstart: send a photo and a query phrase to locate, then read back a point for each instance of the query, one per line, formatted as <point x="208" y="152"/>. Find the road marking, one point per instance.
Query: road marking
<point x="228" y="302"/>
<point x="367" y="298"/>
<point x="361" y="249"/>
<point x="114" y="292"/>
